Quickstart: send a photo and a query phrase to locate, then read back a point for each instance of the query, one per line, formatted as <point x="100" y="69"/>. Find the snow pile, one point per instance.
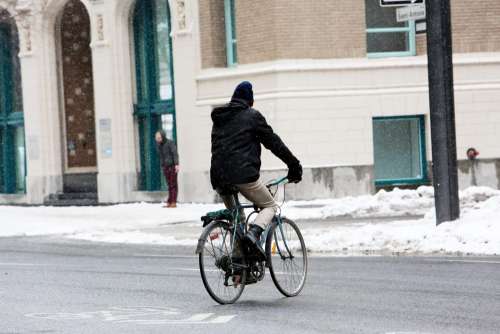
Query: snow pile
<point x="29" y="221"/>
<point x="383" y="204"/>
<point x="476" y="232"/>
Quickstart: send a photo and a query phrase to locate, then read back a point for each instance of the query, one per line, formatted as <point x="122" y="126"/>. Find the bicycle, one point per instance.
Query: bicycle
<point x="227" y="266"/>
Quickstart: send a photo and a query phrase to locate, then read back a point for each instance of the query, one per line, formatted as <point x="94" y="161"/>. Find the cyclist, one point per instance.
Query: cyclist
<point x="237" y="134"/>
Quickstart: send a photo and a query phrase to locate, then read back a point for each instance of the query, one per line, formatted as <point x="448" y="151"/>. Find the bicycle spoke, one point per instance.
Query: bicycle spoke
<point x="217" y="267"/>
<point x="290" y="259"/>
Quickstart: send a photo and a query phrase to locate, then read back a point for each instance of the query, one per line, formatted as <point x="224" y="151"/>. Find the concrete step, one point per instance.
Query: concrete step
<point x="80" y="183"/>
<point x="73" y="196"/>
<point x="73" y="202"/>
<point x="72" y="199"/>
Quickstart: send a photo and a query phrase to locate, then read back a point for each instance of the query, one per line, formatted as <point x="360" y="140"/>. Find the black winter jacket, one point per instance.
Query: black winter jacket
<point x="237" y="133"/>
<point x="167" y="151"/>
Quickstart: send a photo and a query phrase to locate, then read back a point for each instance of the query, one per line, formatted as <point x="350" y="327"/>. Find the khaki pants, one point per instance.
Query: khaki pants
<point x="257" y="193"/>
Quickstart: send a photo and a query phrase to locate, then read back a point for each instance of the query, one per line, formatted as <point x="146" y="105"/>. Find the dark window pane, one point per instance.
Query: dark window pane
<point x="17" y="98"/>
<point x="397" y="149"/>
<point x="233" y="32"/>
<point x="2" y="162"/>
<point x="140" y="56"/>
<point x="387" y="42"/>
<point x="20" y="163"/>
<point x="380" y="17"/>
<point x="11" y="64"/>
<point x="164" y="78"/>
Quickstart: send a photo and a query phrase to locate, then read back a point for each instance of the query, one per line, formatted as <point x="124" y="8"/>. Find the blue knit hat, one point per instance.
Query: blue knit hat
<point x="244" y="92"/>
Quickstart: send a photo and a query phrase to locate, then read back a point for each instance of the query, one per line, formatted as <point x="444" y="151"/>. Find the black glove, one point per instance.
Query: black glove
<point x="294" y="173"/>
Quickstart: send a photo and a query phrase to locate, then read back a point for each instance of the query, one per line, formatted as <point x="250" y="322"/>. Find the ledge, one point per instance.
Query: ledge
<point x="297" y="65"/>
<point x="10" y="199"/>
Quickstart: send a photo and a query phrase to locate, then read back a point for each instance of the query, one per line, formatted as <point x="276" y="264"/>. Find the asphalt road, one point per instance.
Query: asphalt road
<point x="54" y="286"/>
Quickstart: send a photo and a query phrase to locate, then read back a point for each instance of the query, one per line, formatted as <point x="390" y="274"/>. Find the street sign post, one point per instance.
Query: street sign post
<point x="442" y="111"/>
<point x="407" y="13"/>
<point x="394" y="3"/>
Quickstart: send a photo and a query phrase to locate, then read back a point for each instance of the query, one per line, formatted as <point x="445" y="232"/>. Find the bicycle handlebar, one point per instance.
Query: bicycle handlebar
<point x="283" y="180"/>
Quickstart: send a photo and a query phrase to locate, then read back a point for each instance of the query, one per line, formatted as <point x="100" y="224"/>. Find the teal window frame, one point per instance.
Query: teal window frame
<point x="423" y="179"/>
<point x="10" y="120"/>
<point x="411" y="41"/>
<point x="231" y="41"/>
<point x="382" y="21"/>
<point x="150" y="108"/>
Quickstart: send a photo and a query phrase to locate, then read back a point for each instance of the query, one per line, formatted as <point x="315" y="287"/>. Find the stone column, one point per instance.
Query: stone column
<point x="41" y="112"/>
<point x="187" y="63"/>
<point x="116" y="151"/>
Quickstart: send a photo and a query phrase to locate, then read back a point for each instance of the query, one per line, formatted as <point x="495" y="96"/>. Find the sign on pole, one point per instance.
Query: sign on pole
<point x="420" y="27"/>
<point x="407" y="13"/>
<point x="392" y="3"/>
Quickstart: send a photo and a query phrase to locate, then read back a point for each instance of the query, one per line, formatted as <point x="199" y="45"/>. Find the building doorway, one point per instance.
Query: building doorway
<point x="155" y="106"/>
<point x="12" y="148"/>
<point x="77" y="95"/>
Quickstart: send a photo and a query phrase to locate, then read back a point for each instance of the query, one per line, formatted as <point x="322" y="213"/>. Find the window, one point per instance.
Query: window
<point x="385" y="37"/>
<point x="12" y="156"/>
<point x="399" y="150"/>
<point x="155" y="108"/>
<point x="231" y="42"/>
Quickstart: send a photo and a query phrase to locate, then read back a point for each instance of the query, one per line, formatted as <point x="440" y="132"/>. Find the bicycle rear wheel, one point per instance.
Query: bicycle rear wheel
<point x="287" y="257"/>
<point x="222" y="264"/>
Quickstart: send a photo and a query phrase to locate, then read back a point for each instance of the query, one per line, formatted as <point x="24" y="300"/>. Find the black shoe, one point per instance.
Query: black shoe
<point x="252" y="241"/>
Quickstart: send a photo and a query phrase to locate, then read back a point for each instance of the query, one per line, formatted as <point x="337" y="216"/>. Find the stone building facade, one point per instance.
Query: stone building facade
<point x="86" y="83"/>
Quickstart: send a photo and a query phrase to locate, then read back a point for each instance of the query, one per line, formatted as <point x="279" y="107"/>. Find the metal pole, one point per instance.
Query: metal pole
<point x="442" y="110"/>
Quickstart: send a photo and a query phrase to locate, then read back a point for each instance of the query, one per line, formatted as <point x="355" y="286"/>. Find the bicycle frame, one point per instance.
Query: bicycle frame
<point x="235" y="217"/>
<point x="236" y="223"/>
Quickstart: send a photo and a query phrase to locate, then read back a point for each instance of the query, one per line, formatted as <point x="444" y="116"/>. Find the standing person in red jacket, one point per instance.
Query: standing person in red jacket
<point x="169" y="160"/>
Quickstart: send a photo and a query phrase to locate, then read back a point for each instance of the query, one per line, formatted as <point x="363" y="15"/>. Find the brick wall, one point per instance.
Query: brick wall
<point x="284" y="29"/>
<point x="476" y="27"/>
<point x="212" y="31"/>
<point x="256" y="27"/>
<point x="318" y="29"/>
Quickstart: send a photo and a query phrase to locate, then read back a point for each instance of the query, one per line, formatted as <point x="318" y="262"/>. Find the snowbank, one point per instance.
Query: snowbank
<point x="29" y="221"/>
<point x="383" y="204"/>
<point x="476" y="232"/>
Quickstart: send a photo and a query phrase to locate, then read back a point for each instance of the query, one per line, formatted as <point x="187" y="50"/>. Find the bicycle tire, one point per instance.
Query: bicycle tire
<point x="224" y="235"/>
<point x="274" y="246"/>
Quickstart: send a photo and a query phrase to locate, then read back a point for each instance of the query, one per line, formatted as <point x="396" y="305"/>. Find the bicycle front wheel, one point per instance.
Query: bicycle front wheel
<point x="287" y="257"/>
<point x="222" y="264"/>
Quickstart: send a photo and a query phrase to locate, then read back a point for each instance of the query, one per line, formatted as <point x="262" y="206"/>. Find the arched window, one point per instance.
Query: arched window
<point x="155" y="107"/>
<point x="12" y="155"/>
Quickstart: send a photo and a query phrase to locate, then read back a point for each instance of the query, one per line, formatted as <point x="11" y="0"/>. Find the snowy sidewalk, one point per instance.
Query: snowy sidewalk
<point x="338" y="228"/>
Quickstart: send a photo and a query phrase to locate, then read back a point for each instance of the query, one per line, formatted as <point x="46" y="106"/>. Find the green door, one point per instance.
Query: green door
<point x="155" y="107"/>
<point x="12" y="156"/>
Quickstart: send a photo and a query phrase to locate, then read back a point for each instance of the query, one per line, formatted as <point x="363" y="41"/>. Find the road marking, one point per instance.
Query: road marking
<point x="14" y="264"/>
<point x="25" y="264"/>
<point x="223" y="319"/>
<point x="464" y="261"/>
<point x="408" y="333"/>
<point x="142" y="315"/>
<point x="200" y="317"/>
<point x="166" y="256"/>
